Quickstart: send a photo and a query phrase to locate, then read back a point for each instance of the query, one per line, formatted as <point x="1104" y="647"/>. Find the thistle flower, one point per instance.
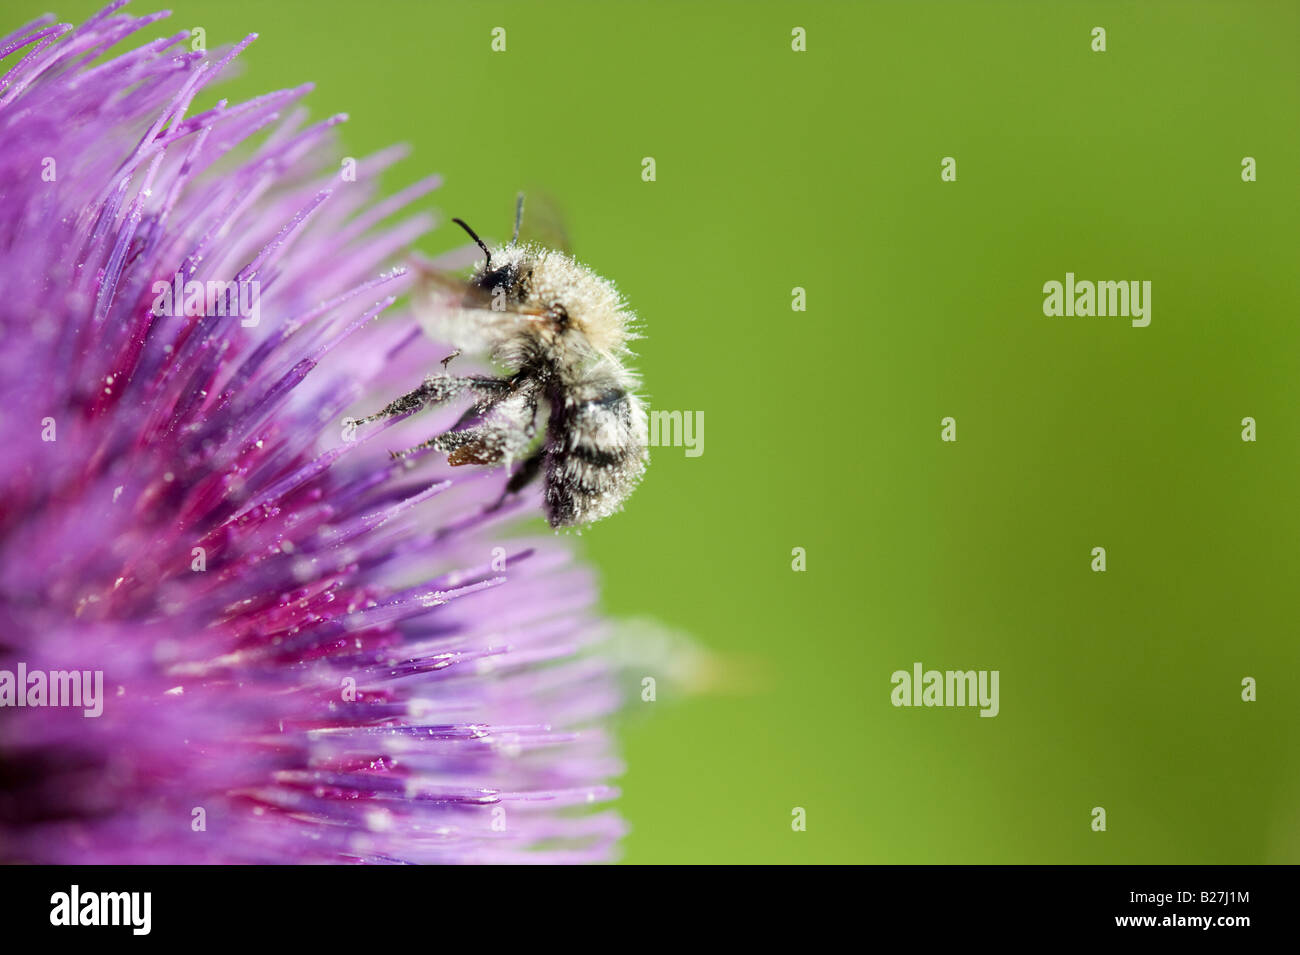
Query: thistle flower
<point x="309" y="653"/>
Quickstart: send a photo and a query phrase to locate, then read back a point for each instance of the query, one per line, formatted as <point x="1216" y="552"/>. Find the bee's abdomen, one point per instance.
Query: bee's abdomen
<point x="596" y="456"/>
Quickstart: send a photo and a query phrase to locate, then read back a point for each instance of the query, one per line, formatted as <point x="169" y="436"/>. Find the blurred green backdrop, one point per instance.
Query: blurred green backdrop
<point x="821" y="169"/>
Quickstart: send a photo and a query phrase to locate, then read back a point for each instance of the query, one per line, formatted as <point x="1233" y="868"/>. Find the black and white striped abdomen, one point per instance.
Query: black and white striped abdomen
<point x="597" y="453"/>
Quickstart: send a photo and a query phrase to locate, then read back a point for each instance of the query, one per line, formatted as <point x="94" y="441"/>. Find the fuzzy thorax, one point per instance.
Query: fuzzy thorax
<point x="595" y="308"/>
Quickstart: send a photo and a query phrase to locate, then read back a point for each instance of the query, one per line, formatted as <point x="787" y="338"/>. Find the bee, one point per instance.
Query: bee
<point x="562" y="331"/>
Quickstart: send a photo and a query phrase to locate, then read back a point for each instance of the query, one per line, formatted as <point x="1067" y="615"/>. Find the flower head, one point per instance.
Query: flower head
<point x="308" y="652"/>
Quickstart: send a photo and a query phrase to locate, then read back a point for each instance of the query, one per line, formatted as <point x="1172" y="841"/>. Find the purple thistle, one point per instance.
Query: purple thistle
<point x="309" y="653"/>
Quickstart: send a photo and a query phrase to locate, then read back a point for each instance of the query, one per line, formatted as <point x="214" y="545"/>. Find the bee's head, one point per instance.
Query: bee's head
<point x="569" y="307"/>
<point x="506" y="276"/>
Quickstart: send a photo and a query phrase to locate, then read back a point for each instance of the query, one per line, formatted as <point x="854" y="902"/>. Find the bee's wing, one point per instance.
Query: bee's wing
<point x="451" y="309"/>
<point x="544" y="224"/>
<point x="436" y="279"/>
<point x="439" y="283"/>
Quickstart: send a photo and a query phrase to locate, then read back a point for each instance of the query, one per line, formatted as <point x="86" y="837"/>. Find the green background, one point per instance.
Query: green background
<point x="821" y="170"/>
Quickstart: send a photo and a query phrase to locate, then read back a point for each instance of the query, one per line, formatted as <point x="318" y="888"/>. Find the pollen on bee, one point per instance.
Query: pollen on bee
<point x="563" y="332"/>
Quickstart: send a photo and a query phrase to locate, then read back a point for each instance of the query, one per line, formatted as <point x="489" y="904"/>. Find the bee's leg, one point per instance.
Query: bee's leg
<point x="462" y="446"/>
<point x="432" y="442"/>
<point x="523" y="476"/>
<point x="527" y="472"/>
<point x="504" y="431"/>
<point x="434" y="390"/>
<point x="471" y="413"/>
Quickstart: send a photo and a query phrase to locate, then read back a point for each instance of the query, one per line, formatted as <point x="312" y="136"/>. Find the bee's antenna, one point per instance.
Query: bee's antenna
<point x="519" y="218"/>
<point x="474" y="235"/>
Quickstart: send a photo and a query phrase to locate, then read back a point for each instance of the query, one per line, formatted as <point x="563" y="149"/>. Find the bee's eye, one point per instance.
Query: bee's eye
<point x="493" y="279"/>
<point x="504" y="279"/>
